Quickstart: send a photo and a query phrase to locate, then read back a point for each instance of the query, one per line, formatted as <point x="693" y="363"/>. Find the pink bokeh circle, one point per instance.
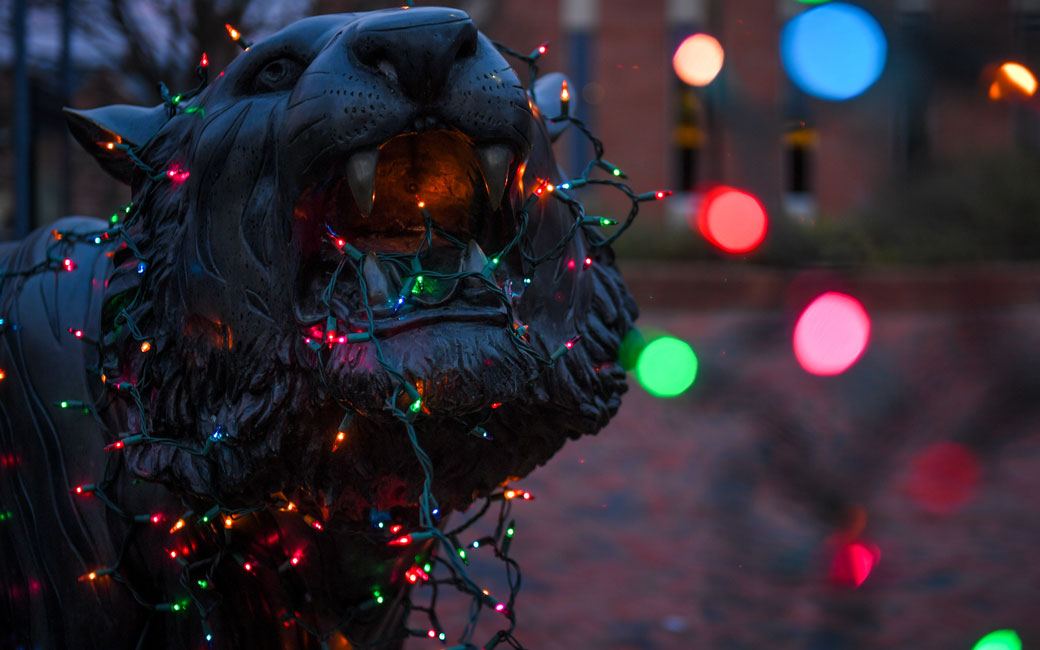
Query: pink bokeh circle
<point x="831" y="334"/>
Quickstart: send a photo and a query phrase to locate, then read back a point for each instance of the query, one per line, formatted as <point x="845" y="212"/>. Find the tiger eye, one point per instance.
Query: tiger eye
<point x="279" y="74"/>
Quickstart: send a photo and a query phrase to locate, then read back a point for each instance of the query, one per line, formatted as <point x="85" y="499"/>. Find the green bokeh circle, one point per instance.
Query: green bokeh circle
<point x="1000" y="640"/>
<point x="666" y="367"/>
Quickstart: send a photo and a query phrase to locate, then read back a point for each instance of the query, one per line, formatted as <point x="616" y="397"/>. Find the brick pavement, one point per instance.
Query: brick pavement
<point x="713" y="520"/>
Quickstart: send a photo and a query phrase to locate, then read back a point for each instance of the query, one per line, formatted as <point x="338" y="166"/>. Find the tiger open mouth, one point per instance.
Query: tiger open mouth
<point x="419" y="215"/>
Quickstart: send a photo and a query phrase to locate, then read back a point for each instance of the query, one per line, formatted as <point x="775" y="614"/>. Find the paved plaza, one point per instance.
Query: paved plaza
<point x="723" y="518"/>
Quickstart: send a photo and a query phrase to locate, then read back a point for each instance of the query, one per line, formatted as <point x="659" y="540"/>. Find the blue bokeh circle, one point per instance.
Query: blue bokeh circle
<point x="834" y="51"/>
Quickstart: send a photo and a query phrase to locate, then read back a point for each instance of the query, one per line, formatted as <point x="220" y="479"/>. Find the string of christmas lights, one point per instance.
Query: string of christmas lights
<point x="441" y="552"/>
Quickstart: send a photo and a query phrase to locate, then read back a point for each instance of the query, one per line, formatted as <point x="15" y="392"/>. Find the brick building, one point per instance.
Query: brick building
<point x="751" y="128"/>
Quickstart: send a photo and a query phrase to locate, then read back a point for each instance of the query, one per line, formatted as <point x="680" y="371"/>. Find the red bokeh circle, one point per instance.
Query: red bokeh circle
<point x="943" y="476"/>
<point x="732" y="220"/>
<point x="853" y="563"/>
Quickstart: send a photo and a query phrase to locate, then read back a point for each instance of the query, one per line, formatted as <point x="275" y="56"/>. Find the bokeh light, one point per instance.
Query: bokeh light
<point x="698" y="59"/>
<point x="667" y="367"/>
<point x="831" y="334"/>
<point x="943" y="476"/>
<point x="853" y="563"/>
<point x="1013" y="80"/>
<point x="733" y="220"/>
<point x="834" y="51"/>
<point x="1000" y="640"/>
<point x="632" y="345"/>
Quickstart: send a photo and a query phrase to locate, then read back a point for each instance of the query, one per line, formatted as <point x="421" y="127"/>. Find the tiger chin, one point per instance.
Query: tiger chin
<point x="253" y="324"/>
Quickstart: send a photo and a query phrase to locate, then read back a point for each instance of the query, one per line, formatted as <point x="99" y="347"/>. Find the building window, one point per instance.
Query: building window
<point x="798" y="147"/>
<point x="799" y="151"/>
<point x="912" y="82"/>
<point x="688" y="137"/>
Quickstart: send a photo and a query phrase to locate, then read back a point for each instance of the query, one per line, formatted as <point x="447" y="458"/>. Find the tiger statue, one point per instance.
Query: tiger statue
<point x="341" y="306"/>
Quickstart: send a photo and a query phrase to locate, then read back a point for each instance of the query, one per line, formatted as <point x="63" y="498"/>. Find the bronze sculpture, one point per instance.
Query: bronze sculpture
<point x="341" y="275"/>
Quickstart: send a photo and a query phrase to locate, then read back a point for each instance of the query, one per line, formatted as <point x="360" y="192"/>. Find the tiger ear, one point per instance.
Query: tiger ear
<point x="103" y="132"/>
<point x="547" y="96"/>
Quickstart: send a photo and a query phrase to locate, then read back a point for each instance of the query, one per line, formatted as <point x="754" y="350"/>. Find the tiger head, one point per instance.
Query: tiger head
<point x="351" y="228"/>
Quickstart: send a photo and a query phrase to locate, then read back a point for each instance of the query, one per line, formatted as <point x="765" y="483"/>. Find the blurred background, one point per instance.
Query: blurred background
<point x="832" y="437"/>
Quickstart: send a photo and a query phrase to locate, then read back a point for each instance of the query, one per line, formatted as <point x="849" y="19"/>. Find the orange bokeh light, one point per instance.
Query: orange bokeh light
<point x="1013" y="80"/>
<point x="698" y="59"/>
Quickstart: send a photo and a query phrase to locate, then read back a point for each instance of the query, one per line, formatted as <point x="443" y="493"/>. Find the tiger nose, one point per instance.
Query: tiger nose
<point x="415" y="48"/>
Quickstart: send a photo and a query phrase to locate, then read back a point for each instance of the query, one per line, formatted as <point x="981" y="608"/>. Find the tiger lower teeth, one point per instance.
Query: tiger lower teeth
<point x="377" y="282"/>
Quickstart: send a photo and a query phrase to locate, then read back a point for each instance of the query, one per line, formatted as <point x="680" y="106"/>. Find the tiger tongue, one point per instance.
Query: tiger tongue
<point x="361" y="169"/>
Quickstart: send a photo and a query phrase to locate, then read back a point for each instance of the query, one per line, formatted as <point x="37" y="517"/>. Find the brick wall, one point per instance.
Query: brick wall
<point x="858" y="149"/>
